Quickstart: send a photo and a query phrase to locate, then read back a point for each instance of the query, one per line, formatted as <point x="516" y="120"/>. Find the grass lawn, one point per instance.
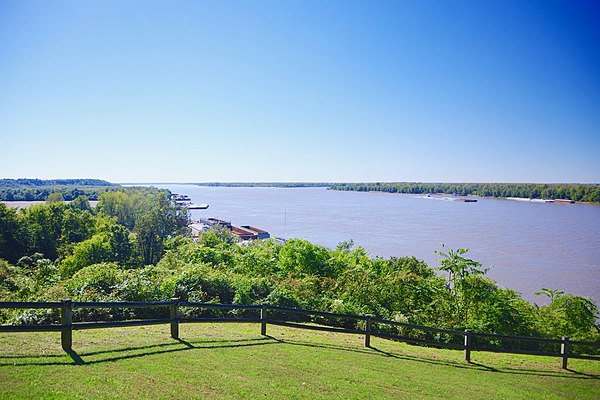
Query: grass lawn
<point x="231" y="361"/>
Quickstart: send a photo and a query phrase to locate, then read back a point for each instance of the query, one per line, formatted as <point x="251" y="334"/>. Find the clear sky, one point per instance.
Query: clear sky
<point x="188" y="91"/>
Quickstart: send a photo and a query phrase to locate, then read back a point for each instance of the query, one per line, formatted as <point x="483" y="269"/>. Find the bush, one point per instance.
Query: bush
<point x="95" y="282"/>
<point x="300" y="257"/>
<point x="15" y="284"/>
<point x="199" y="283"/>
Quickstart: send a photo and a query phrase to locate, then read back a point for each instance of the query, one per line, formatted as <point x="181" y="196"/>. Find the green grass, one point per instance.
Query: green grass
<point x="230" y="361"/>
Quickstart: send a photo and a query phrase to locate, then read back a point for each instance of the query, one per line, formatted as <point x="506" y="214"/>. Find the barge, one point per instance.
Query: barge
<point x="244" y="232"/>
<point x="193" y="206"/>
<point x="446" y="198"/>
<point x="533" y="200"/>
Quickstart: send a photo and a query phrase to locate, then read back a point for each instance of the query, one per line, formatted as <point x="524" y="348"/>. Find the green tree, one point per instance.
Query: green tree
<point x="458" y="267"/>
<point x="12" y="239"/>
<point x="459" y="270"/>
<point x="42" y="225"/>
<point x="123" y="206"/>
<point x="110" y="243"/>
<point x="159" y="221"/>
<point x="301" y="257"/>
<point x="569" y="315"/>
<point x="55" y="197"/>
<point x="81" y="203"/>
<point x="489" y="308"/>
<point x="77" y="226"/>
<point x="550" y="293"/>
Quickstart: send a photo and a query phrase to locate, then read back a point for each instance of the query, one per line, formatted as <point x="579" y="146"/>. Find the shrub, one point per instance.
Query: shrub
<point x="95" y="282"/>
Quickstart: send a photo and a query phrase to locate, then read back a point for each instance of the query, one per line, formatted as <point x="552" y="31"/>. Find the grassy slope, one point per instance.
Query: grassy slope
<point x="223" y="361"/>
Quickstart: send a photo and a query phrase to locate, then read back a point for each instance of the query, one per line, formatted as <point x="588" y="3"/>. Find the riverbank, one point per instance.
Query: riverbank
<point x="578" y="192"/>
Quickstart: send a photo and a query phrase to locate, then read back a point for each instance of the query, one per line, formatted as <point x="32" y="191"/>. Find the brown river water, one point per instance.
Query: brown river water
<point x="527" y="245"/>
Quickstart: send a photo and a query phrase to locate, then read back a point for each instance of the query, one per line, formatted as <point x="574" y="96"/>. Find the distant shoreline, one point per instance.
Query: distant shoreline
<point x="581" y="193"/>
<point x="24" y="204"/>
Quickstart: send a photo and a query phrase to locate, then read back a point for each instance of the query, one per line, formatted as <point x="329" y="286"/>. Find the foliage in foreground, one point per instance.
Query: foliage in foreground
<point x="301" y="274"/>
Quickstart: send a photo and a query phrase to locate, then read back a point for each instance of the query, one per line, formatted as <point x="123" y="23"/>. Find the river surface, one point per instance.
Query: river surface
<point x="528" y="246"/>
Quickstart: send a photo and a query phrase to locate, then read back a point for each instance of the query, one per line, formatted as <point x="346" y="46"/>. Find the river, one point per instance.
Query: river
<point x="528" y="246"/>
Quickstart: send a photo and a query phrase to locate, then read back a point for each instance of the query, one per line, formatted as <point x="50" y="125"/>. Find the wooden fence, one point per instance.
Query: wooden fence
<point x="276" y="315"/>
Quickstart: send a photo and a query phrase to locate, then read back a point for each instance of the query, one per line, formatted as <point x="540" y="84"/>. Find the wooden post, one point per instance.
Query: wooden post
<point x="467" y="345"/>
<point x="368" y="330"/>
<point x="564" y="351"/>
<point x="66" y="320"/>
<point x="263" y="319"/>
<point x="175" y="318"/>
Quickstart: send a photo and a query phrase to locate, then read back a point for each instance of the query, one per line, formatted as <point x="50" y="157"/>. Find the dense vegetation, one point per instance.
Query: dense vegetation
<point x="571" y="191"/>
<point x="14" y="183"/>
<point x="128" y="226"/>
<point x="131" y="247"/>
<point x="39" y="190"/>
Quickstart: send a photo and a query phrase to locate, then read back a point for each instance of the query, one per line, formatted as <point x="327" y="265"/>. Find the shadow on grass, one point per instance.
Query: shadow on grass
<point x="487" y="368"/>
<point x="83" y="358"/>
<point x="454" y="364"/>
<point x="583" y="373"/>
<point x="75" y="357"/>
<point x="116" y="354"/>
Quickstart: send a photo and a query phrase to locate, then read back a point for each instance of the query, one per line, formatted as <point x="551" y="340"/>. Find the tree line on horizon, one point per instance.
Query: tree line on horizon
<point x="25" y="189"/>
<point x="569" y="191"/>
<point x="39" y="190"/>
<point x="32" y="182"/>
<point x="134" y="246"/>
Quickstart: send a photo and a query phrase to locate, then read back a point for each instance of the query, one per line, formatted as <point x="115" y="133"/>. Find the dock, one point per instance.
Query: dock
<point x="244" y="232"/>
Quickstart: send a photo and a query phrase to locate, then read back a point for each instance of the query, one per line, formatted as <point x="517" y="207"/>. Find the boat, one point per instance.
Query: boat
<point x="564" y="201"/>
<point x="180" y="197"/>
<point x="193" y="206"/>
<point x="446" y="198"/>
<point x="530" y="200"/>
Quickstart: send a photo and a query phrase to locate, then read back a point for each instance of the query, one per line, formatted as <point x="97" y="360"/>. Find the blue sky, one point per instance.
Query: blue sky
<point x="188" y="91"/>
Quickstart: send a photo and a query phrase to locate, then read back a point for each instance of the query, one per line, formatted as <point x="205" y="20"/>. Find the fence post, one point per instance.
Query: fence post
<point x="368" y="330"/>
<point x="66" y="320"/>
<point x="564" y="351"/>
<point x="468" y="345"/>
<point x="263" y="319"/>
<point x="175" y="318"/>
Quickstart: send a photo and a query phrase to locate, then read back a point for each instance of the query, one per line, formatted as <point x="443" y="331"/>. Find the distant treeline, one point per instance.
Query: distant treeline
<point x="572" y="191"/>
<point x="266" y="184"/>
<point x="26" y="182"/>
<point x="39" y="190"/>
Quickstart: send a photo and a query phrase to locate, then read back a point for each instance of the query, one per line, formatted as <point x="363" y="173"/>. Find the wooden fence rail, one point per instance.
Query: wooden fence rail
<point x="269" y="314"/>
